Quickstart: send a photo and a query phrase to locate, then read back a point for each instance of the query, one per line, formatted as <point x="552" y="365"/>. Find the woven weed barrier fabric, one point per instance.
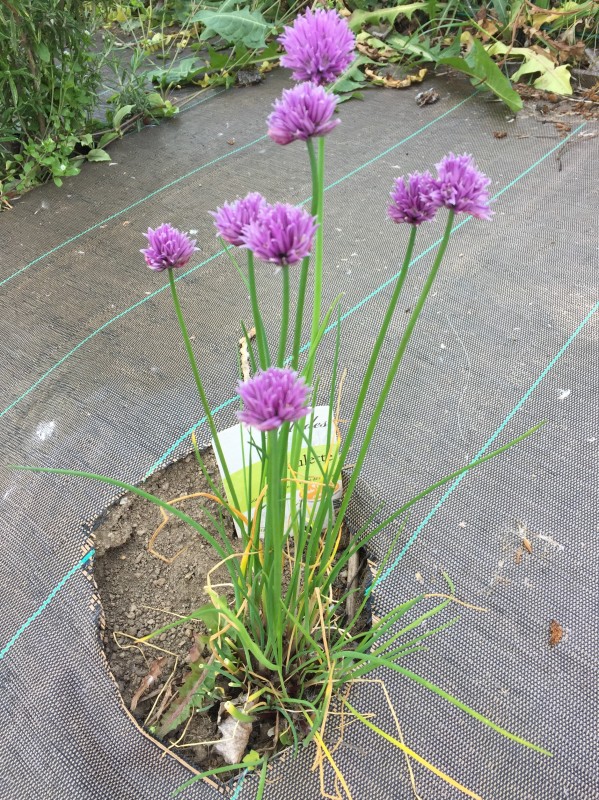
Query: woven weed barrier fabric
<point x="94" y="377"/>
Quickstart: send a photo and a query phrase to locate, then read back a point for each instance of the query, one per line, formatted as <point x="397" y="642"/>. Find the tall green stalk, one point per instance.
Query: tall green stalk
<point x="318" y="255"/>
<point x="301" y="292"/>
<point x="200" y="387"/>
<point x="284" y="318"/>
<point x="348" y="439"/>
<point x="263" y="352"/>
<point x="390" y="379"/>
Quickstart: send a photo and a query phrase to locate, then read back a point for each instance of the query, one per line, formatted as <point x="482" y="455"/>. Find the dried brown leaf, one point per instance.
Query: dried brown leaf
<point x="395" y="83"/>
<point x="148" y="681"/>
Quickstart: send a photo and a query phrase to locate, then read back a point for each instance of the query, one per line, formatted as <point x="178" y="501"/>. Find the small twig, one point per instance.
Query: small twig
<point x="244" y="354"/>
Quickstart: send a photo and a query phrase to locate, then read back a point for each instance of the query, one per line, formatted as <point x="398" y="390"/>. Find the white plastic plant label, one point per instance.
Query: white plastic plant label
<point x="241" y="449"/>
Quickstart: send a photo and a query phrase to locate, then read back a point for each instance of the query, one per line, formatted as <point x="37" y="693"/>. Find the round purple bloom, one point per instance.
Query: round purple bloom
<point x="411" y="201"/>
<point x="169" y="248"/>
<point x="232" y="218"/>
<point x="319" y="46"/>
<point x="282" y="234"/>
<point x="461" y="186"/>
<point x="273" y="397"/>
<point x="304" y="111"/>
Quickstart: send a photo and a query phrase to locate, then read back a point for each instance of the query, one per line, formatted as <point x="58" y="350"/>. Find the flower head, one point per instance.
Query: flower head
<point x="282" y="234"/>
<point x="273" y="397"/>
<point x="411" y="201"/>
<point x="319" y="46"/>
<point x="461" y="186"/>
<point x="169" y="248"/>
<point x="232" y="218"/>
<point x="304" y="111"/>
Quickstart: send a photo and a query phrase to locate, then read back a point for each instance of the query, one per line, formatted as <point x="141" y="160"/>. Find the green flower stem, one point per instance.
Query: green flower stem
<point x="273" y="544"/>
<point x="284" y="318"/>
<point x="301" y="294"/>
<point x="263" y="353"/>
<point x="390" y="378"/>
<point x="349" y="436"/>
<point x="297" y="334"/>
<point x="317" y="259"/>
<point x="202" y="393"/>
<point x="317" y="172"/>
<point x="299" y="313"/>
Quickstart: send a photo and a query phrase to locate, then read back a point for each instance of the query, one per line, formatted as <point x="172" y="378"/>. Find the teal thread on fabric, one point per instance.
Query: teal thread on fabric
<point x="193" y="269"/>
<point x="355" y="308"/>
<point x="133" y="205"/>
<point x="209" y="164"/>
<point x="239" y="786"/>
<point x="484" y="448"/>
<point x="99" y="330"/>
<point x="46" y="603"/>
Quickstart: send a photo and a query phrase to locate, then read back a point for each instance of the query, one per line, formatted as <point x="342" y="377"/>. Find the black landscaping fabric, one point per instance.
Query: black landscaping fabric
<point x="94" y="377"/>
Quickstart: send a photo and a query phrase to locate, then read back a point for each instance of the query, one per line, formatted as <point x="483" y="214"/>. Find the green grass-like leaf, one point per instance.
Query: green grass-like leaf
<point x="242" y="26"/>
<point x="481" y="68"/>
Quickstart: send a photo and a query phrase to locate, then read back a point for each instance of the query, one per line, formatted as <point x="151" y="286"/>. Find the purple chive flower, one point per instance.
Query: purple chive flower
<point x="169" y="248"/>
<point x="411" y="201"/>
<point x="232" y="218"/>
<point x="461" y="186"/>
<point x="319" y="46"/>
<point x="304" y="111"/>
<point x="273" y="397"/>
<point x="282" y="234"/>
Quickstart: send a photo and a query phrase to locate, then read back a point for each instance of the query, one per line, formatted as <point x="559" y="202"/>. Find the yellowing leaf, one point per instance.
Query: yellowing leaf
<point x="556" y="80"/>
<point x="395" y="83"/>
<point x="551" y="78"/>
<point x="542" y="19"/>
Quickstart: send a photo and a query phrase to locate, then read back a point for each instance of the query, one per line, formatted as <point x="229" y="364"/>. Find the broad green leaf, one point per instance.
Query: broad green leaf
<point x="218" y="60"/>
<point x="182" y="71"/>
<point x="98" y="155"/>
<point x="481" y="68"/>
<point x="411" y="45"/>
<point x="501" y="9"/>
<point x="43" y="53"/>
<point x="252" y="759"/>
<point x="248" y="27"/>
<point x="359" y="18"/>
<point x="551" y="78"/>
<point x="107" y="137"/>
<point x="120" y="114"/>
